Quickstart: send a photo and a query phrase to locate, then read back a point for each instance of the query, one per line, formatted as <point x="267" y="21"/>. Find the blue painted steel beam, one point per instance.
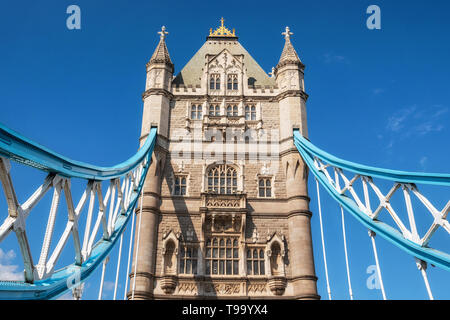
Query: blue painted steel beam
<point x="308" y="151"/>
<point x="16" y="147"/>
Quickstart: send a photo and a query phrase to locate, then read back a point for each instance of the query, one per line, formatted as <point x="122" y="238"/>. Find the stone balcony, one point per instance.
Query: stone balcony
<point x="213" y="201"/>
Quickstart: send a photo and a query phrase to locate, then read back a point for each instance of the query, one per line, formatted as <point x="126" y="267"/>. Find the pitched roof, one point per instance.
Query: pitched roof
<point x="289" y="54"/>
<point x="192" y="71"/>
<point x="161" y="54"/>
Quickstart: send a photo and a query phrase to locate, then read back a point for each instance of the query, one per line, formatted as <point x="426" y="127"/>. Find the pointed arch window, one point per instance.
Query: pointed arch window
<point x="188" y="259"/>
<point x="214" y="81"/>
<point x="250" y="112"/>
<point x="222" y="256"/>
<point x="180" y="186"/>
<point x="232" y="82"/>
<point x="265" y="187"/>
<point x="214" y="110"/>
<point x="232" y="110"/>
<point x="255" y="261"/>
<point x="222" y="179"/>
<point x="196" y="112"/>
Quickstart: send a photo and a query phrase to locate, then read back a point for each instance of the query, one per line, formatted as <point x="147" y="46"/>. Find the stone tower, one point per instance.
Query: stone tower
<point x="225" y="204"/>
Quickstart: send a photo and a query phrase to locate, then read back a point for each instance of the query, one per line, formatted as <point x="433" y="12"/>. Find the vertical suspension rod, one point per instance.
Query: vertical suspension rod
<point x="350" y="291"/>
<point x="374" y="246"/>
<point x="323" y="241"/>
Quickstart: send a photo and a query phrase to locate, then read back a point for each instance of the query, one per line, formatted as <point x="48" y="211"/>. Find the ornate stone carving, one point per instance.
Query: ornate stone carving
<point x="233" y="201"/>
<point x="223" y="223"/>
<point x="223" y="203"/>
<point x="277" y="285"/>
<point x="188" y="288"/>
<point x="223" y="288"/>
<point x="257" y="288"/>
<point x="169" y="283"/>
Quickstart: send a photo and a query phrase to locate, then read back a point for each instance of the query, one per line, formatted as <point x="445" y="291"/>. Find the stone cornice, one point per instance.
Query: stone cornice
<point x="157" y="92"/>
<point x="270" y="98"/>
<point x="290" y="62"/>
<point x="294" y="213"/>
<point x="292" y="93"/>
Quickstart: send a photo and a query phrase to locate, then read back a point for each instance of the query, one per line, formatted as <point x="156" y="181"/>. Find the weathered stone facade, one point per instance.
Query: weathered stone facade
<point x="226" y="209"/>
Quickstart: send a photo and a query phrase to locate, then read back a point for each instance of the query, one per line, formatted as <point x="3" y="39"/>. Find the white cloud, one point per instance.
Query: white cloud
<point x="414" y="121"/>
<point x="108" y="285"/>
<point x="9" y="272"/>
<point x="423" y="162"/>
<point x="377" y="91"/>
<point x="333" y="58"/>
<point x="7" y="256"/>
<point x="396" y="122"/>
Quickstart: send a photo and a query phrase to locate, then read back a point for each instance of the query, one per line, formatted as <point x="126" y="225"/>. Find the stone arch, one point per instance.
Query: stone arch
<point x="230" y="171"/>
<point x="275" y="251"/>
<point x="170" y="254"/>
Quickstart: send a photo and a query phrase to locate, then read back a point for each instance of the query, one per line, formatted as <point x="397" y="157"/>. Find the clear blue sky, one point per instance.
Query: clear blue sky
<point x="377" y="97"/>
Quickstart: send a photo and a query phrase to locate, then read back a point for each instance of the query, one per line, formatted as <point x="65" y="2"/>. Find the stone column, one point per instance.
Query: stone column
<point x="300" y="250"/>
<point x="146" y="259"/>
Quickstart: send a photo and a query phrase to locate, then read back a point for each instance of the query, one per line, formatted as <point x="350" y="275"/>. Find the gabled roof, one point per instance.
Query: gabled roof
<point x="161" y="54"/>
<point x="192" y="71"/>
<point x="289" y="55"/>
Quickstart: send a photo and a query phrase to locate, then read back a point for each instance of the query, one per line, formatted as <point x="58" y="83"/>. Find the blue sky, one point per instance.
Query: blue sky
<point x="377" y="97"/>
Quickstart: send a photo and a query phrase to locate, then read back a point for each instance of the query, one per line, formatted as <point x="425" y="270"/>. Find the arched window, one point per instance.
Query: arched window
<point x="222" y="179"/>
<point x="179" y="186"/>
<point x="232" y="83"/>
<point x="170" y="266"/>
<point x="276" y="260"/>
<point x="255" y="261"/>
<point x="232" y="110"/>
<point x="214" y="82"/>
<point x="265" y="187"/>
<point x="196" y="112"/>
<point x="222" y="256"/>
<point x="250" y="113"/>
<point x="214" y="110"/>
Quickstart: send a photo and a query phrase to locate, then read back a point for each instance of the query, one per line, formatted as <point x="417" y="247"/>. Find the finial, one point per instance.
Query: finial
<point x="222" y="31"/>
<point x="287" y="33"/>
<point x="163" y="32"/>
<point x="272" y="73"/>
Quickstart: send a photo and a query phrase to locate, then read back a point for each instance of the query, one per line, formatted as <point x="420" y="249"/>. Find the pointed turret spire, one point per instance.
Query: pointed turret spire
<point x="161" y="54"/>
<point x="289" y="55"/>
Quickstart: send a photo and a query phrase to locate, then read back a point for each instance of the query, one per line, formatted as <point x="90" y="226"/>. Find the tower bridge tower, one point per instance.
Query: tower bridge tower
<point x="225" y="204"/>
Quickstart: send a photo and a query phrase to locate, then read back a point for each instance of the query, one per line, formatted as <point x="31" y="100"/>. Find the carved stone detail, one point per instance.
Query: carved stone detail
<point x="188" y="288"/>
<point x="223" y="222"/>
<point x="169" y="283"/>
<point x="223" y="203"/>
<point x="223" y="288"/>
<point x="277" y="285"/>
<point x="257" y="288"/>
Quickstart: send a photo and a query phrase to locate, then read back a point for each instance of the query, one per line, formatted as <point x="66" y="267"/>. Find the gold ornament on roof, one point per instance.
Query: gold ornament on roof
<point x="222" y="31"/>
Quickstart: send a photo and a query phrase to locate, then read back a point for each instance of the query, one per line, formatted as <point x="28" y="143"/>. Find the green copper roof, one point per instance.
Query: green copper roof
<point x="192" y="71"/>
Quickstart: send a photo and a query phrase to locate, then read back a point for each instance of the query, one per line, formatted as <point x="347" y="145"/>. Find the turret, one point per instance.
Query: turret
<point x="156" y="98"/>
<point x="158" y="89"/>
<point x="289" y="74"/>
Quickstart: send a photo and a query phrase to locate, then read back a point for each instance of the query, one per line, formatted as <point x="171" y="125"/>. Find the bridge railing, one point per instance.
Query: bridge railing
<point x="359" y="190"/>
<point x="105" y="211"/>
